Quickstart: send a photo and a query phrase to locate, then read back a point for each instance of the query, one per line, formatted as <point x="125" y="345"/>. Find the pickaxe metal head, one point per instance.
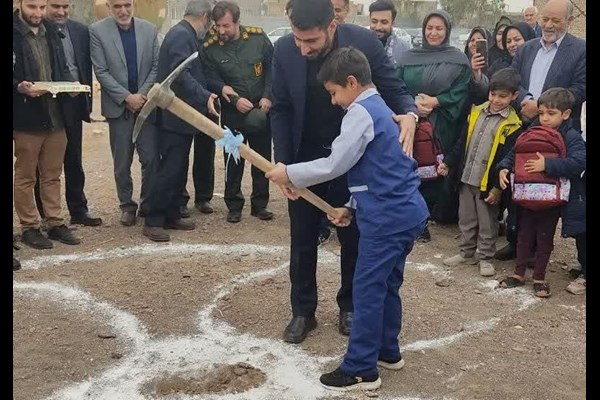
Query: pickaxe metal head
<point x="160" y="95"/>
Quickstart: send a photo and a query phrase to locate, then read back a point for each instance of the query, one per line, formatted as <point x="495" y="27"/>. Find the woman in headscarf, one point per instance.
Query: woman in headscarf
<point x="438" y="74"/>
<point x="496" y="48"/>
<point x="478" y="67"/>
<point x="512" y="37"/>
<point x="477" y="33"/>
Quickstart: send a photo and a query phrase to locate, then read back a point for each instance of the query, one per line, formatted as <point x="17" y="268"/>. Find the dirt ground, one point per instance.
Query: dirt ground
<point x="201" y="317"/>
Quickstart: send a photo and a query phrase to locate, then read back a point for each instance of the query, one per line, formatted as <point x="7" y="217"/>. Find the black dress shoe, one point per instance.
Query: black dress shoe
<point x="184" y="212"/>
<point x="298" y="328"/>
<point x="16" y="264"/>
<point x="33" y="237"/>
<point x="63" y="235"/>
<point x="508" y="252"/>
<point x="85" y="219"/>
<point x="345" y="322"/>
<point x="234" y="216"/>
<point x="425" y="236"/>
<point x="128" y="218"/>
<point x="262" y="214"/>
<point x="204" y="207"/>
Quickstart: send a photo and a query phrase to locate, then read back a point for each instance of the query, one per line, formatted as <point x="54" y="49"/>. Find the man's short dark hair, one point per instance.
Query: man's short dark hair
<point x="560" y="98"/>
<point x="343" y="62"/>
<point x="383" y="5"/>
<point x="506" y="79"/>
<point x="224" y="6"/>
<point x="309" y="14"/>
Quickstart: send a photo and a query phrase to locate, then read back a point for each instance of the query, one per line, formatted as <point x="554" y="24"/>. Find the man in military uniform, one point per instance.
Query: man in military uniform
<point x="240" y="56"/>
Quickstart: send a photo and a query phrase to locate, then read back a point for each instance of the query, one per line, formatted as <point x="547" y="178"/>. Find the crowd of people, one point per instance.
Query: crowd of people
<point x="344" y="108"/>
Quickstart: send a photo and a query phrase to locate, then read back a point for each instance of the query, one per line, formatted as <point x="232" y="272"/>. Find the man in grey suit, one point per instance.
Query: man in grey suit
<point x="124" y="53"/>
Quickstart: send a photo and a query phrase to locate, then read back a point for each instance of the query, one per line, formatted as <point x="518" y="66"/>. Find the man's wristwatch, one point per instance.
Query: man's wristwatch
<point x="414" y="115"/>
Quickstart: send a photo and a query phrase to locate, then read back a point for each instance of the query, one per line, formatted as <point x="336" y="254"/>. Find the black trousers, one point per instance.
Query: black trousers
<point x="234" y="198"/>
<point x="580" y="242"/>
<point x="304" y="226"/>
<point x="170" y="179"/>
<point x="203" y="170"/>
<point x="74" y="175"/>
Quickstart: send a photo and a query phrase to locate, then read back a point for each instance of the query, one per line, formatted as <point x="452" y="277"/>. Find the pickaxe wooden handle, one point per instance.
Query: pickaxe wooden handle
<point x="189" y="114"/>
<point x="162" y="96"/>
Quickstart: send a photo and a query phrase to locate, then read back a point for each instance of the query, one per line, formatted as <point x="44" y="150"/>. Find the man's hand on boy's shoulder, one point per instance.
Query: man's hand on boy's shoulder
<point x="408" y="125"/>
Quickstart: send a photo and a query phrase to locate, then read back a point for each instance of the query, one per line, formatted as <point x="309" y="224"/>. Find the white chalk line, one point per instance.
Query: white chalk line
<point x="217" y="339"/>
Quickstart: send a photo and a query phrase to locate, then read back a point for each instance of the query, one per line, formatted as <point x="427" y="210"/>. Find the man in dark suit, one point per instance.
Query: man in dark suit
<point x="557" y="59"/>
<point x="175" y="137"/>
<point x="304" y="124"/>
<point x="75" y="38"/>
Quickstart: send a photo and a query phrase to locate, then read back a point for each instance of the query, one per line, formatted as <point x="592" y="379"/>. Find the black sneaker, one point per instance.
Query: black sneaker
<point x="33" y="237"/>
<point x="339" y="381"/>
<point x="63" y="235"/>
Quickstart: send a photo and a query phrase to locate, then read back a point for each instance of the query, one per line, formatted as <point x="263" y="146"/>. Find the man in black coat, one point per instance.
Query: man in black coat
<point x="75" y="39"/>
<point x="38" y="124"/>
<point x="175" y="136"/>
<point x="304" y="123"/>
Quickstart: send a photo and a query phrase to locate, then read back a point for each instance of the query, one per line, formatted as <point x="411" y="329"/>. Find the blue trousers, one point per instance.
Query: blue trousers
<point x="377" y="316"/>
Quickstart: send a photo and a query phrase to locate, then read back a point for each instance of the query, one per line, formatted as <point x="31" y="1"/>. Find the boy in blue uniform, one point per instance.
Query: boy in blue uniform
<point x="390" y="214"/>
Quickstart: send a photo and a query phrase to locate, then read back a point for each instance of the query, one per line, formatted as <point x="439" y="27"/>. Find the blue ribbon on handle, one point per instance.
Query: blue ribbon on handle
<point x="230" y="143"/>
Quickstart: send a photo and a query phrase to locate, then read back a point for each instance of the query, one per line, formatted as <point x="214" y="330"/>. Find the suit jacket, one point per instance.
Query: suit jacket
<point x="110" y="65"/>
<point x="568" y="70"/>
<point x="80" y="107"/>
<point x="289" y="86"/>
<point x="191" y="85"/>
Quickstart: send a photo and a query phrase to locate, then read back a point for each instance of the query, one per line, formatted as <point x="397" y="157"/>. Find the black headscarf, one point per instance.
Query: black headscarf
<point x="504" y="59"/>
<point x="494" y="51"/>
<point x="526" y="31"/>
<point x="484" y="32"/>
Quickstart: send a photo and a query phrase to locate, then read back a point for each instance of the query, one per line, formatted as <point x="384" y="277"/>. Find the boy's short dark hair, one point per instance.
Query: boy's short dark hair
<point x="343" y="62"/>
<point x="560" y="98"/>
<point x="224" y="6"/>
<point x="383" y="5"/>
<point x="309" y="14"/>
<point x="506" y="79"/>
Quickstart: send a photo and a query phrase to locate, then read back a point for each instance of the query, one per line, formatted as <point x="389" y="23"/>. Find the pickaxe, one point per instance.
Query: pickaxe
<point x="163" y="97"/>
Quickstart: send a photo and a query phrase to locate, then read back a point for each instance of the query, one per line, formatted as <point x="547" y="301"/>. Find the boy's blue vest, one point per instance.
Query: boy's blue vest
<point x="384" y="183"/>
